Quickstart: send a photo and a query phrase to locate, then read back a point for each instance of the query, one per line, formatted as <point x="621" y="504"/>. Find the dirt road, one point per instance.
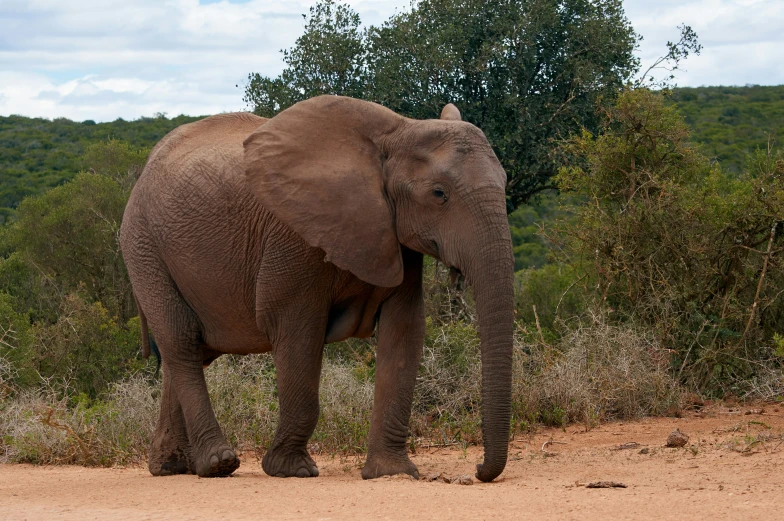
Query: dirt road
<point x="731" y="468"/>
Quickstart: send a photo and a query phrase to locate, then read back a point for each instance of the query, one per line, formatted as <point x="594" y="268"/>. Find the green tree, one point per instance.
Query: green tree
<point x="330" y="57"/>
<point x="116" y="159"/>
<point x="526" y="72"/>
<point x="68" y="237"/>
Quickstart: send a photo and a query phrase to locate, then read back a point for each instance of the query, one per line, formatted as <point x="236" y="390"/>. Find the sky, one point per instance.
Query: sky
<point x="109" y="59"/>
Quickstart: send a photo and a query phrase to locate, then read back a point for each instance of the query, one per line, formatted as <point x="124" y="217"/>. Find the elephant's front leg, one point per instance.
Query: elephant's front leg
<point x="401" y="333"/>
<point x="298" y="367"/>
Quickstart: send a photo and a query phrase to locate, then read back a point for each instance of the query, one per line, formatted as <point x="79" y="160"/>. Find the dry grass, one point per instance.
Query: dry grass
<point x="597" y="372"/>
<point x="47" y="426"/>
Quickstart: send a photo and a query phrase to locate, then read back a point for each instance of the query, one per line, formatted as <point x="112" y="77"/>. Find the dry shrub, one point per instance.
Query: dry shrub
<point x="597" y="372"/>
<point x="25" y="437"/>
<point x="244" y="395"/>
<point x="768" y="380"/>
<point x="53" y="425"/>
<point x="46" y="426"/>
<point x="447" y="397"/>
<point x="346" y="397"/>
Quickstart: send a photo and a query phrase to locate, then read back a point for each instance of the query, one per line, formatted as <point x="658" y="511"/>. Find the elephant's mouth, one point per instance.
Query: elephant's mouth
<point x="455" y="276"/>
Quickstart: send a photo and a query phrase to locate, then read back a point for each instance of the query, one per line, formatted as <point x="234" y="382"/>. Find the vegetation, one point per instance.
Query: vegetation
<point x="664" y="271"/>
<point x="757" y="113"/>
<point x="731" y="123"/>
<point x="609" y="372"/>
<point x="75" y="389"/>
<point x="525" y="72"/>
<point x="66" y="308"/>
<point x="667" y="240"/>
<point x="656" y="268"/>
<point x="37" y="154"/>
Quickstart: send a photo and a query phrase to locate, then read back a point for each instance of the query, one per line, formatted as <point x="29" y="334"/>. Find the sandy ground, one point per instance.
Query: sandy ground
<point x="732" y="468"/>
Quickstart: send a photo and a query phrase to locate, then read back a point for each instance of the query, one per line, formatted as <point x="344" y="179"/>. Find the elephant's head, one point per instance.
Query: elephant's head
<point x="358" y="181"/>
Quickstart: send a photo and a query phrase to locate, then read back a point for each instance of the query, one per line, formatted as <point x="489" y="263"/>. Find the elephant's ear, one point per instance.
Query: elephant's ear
<point x="450" y="112"/>
<point x="318" y="167"/>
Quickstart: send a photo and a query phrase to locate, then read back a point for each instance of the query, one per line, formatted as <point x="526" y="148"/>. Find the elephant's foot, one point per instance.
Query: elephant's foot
<point x="218" y="462"/>
<point x="169" y="455"/>
<point x="377" y="466"/>
<point x="174" y="463"/>
<point x="281" y="463"/>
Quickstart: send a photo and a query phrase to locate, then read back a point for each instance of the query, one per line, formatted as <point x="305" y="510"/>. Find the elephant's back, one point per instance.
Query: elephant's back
<point x="209" y="139"/>
<point x="200" y="163"/>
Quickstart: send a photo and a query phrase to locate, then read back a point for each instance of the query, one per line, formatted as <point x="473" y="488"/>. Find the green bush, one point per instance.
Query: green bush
<point x="69" y="235"/>
<point x="547" y="294"/>
<point x="86" y="347"/>
<point x="671" y="242"/>
<point x="117" y="160"/>
<point x="16" y="346"/>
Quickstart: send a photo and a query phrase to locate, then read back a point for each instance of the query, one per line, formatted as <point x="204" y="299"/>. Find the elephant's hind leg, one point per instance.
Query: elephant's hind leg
<point x="210" y="455"/>
<point x="170" y="452"/>
<point x="185" y="405"/>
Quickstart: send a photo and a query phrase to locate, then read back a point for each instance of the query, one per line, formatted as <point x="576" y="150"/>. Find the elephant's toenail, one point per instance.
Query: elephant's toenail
<point x="228" y="455"/>
<point x="303" y="473"/>
<point x="214" y="460"/>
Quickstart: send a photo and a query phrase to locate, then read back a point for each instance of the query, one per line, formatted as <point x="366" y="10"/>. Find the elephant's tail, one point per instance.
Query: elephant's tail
<point x="148" y="342"/>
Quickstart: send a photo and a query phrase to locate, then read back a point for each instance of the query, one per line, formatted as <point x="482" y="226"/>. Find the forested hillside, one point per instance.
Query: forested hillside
<point x="732" y="122"/>
<point x="37" y="154"/>
<point x="728" y="123"/>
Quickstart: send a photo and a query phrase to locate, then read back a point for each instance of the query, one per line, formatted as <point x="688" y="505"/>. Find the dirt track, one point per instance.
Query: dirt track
<point x="732" y="468"/>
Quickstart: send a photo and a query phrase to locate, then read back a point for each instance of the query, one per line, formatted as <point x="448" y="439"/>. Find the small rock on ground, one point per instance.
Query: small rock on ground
<point x="677" y="439"/>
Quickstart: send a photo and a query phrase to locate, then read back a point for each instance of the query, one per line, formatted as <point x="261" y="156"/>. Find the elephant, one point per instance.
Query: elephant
<point x="248" y="235"/>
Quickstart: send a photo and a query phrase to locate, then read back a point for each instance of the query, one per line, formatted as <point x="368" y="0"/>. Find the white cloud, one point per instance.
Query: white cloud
<point x="742" y="40"/>
<point x="77" y="59"/>
<point x="84" y="59"/>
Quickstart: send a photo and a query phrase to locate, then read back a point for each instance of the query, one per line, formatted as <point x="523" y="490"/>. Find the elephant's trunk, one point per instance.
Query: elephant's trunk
<point x="491" y="273"/>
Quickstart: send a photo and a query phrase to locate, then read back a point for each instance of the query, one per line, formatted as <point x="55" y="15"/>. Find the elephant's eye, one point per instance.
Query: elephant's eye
<point x="440" y="194"/>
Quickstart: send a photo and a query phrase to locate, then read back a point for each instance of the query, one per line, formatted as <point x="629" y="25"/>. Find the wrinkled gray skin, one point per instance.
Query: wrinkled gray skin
<point x="246" y="235"/>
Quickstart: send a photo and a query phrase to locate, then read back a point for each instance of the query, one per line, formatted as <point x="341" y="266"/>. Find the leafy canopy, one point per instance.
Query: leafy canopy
<point x="526" y="72"/>
<point x="730" y="123"/>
